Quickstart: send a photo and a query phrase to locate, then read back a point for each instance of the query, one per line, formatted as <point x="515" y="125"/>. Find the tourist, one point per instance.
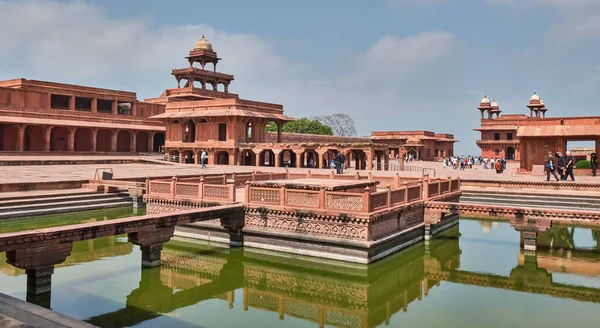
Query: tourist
<point x="343" y="163"/>
<point x="203" y="158"/>
<point x="332" y="164"/>
<point x="498" y="167"/>
<point x="560" y="165"/>
<point x="594" y="163"/>
<point x="569" y="166"/>
<point x="551" y="167"/>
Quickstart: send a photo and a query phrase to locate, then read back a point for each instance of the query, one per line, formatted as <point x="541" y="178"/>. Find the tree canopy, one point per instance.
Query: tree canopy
<point x="302" y="125"/>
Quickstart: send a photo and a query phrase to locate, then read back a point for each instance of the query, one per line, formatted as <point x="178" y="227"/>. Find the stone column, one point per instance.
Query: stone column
<point x="71" y="143"/>
<point x="114" y="108"/>
<point x="47" y="134"/>
<point x="21" y="137"/>
<point x="132" y="141"/>
<point x="369" y="161"/>
<point x="151" y="141"/>
<point x="151" y="242"/>
<point x="299" y="159"/>
<point x="72" y="103"/>
<point x="95" y="105"/>
<point x="277" y="158"/>
<point x="181" y="159"/>
<point x="94" y="138"/>
<point x="529" y="240"/>
<point x="113" y="140"/>
<point x="39" y="264"/>
<point x="257" y="154"/>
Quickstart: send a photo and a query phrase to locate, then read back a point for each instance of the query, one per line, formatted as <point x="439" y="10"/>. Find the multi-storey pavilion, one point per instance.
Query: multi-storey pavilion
<point x="39" y="116"/>
<point x="201" y="116"/>
<point x="422" y="145"/>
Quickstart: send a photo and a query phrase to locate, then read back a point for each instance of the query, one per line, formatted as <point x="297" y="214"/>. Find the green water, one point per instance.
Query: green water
<point x="473" y="275"/>
<point x="57" y="220"/>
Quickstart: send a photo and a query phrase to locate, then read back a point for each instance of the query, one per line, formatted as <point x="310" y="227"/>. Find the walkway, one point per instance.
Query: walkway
<point x="15" y="313"/>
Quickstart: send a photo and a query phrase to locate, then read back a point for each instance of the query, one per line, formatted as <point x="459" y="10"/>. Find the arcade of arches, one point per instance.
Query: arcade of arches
<point x="40" y="138"/>
<point x="359" y="157"/>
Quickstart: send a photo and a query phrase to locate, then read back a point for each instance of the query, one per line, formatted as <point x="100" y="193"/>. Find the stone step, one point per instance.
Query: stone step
<point x="65" y="202"/>
<point x="540" y="199"/>
<point x="11" y="196"/>
<point x="527" y="203"/>
<point x="58" y="210"/>
<point x="60" y="198"/>
<point x="522" y="194"/>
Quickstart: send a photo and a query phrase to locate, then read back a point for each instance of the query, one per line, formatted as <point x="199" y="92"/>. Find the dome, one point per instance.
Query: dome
<point x="203" y="44"/>
<point x="534" y="97"/>
<point x="541" y="102"/>
<point x="485" y="100"/>
<point x="494" y="104"/>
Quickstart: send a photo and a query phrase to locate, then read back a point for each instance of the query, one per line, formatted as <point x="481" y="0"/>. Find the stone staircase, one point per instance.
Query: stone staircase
<point x="62" y="201"/>
<point x="553" y="200"/>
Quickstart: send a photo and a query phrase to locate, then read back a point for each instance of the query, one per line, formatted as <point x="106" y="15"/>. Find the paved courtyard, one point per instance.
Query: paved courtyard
<point x="46" y="173"/>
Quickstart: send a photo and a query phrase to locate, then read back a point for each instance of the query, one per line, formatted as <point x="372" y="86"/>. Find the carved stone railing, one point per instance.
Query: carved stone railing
<point x="190" y="190"/>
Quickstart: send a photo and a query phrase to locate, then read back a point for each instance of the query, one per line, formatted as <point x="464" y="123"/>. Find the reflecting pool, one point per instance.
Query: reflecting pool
<point x="473" y="275"/>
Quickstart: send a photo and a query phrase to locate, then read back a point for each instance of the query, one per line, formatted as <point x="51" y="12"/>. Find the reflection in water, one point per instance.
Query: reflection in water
<point x="214" y="280"/>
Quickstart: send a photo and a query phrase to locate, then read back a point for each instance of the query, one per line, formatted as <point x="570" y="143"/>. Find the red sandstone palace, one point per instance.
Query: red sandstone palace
<point x="38" y="116"/>
<point x="198" y="114"/>
<point x="528" y="139"/>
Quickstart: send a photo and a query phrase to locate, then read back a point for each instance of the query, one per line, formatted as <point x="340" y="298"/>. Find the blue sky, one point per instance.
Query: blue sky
<point x="390" y="64"/>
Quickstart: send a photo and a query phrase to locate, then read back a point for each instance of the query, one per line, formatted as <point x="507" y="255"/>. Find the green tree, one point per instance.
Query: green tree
<point x="302" y="125"/>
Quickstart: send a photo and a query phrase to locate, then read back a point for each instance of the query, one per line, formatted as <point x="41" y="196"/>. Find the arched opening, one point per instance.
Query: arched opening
<point x="189" y="132"/>
<point x="222" y="158"/>
<point x="249" y="131"/>
<point x="510" y="153"/>
<point x="141" y="142"/>
<point x="287" y="158"/>
<point x="34" y="138"/>
<point x="247" y="158"/>
<point x="273" y="132"/>
<point x="158" y="142"/>
<point x="266" y="158"/>
<point x="83" y="139"/>
<point x="174" y="156"/>
<point x="309" y="158"/>
<point x="10" y="137"/>
<point x="188" y="156"/>
<point x="411" y="155"/>
<point x="328" y="157"/>
<point x="360" y="159"/>
<point x="103" y="140"/>
<point x="59" y="139"/>
<point x="123" y="140"/>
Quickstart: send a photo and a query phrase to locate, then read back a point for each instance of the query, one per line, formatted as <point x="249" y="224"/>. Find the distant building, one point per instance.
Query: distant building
<point x="423" y="145"/>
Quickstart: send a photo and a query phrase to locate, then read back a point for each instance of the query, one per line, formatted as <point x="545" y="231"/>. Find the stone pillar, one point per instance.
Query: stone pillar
<point x="258" y="163"/>
<point x="114" y="108"/>
<point x="113" y="140"/>
<point x="151" y="141"/>
<point x="94" y="138"/>
<point x="21" y="137"/>
<point x="71" y="143"/>
<point x="132" y="141"/>
<point x="47" y="134"/>
<point x="181" y="159"/>
<point x="95" y="105"/>
<point x="72" y="103"/>
<point x="277" y="158"/>
<point x="298" y="159"/>
<point x="151" y="242"/>
<point x="39" y="264"/>
<point x="529" y="240"/>
<point x="138" y="200"/>
<point x="369" y="160"/>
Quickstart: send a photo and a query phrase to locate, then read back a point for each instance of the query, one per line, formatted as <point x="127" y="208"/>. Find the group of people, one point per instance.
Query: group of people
<point x="338" y="162"/>
<point x="563" y="165"/>
<point x="462" y="163"/>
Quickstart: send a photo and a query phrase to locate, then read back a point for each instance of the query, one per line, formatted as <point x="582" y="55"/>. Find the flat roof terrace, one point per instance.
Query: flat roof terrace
<point x="316" y="184"/>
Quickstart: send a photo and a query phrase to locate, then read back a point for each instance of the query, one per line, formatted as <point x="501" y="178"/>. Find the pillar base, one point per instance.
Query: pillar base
<point x="151" y="255"/>
<point x="39" y="280"/>
<point x="236" y="238"/>
<point x="529" y="241"/>
<point x="151" y="243"/>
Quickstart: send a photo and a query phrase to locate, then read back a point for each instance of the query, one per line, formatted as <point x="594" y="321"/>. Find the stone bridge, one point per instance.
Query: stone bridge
<point x="38" y="251"/>
<point x="529" y="221"/>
